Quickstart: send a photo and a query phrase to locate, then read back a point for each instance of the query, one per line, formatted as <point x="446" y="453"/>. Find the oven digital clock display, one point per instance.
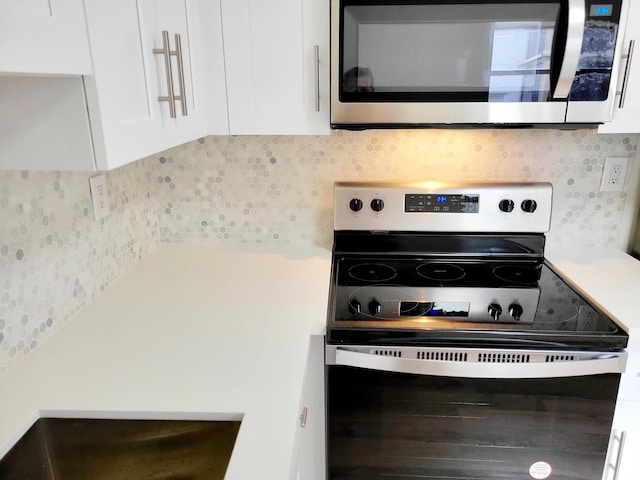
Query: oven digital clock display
<point x="441" y="203"/>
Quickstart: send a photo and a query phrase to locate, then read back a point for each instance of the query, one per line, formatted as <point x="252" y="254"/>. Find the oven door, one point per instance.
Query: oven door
<point x="424" y="413"/>
<point x="466" y="62"/>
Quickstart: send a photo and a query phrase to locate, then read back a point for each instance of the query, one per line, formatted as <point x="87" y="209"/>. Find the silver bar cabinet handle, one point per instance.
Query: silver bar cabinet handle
<point x="182" y="97"/>
<point x="316" y="71"/>
<point x="616" y="472"/>
<point x="166" y="51"/>
<point x="575" y="34"/>
<point x="627" y="71"/>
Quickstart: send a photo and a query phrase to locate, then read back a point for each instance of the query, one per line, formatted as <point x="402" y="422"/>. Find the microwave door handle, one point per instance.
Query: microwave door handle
<point x="575" y="34"/>
<point x="609" y="363"/>
<point x="627" y="72"/>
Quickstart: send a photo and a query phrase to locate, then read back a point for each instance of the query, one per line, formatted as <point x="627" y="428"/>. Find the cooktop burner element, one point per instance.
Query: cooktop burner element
<point x="445" y="264"/>
<point x="372" y="272"/>
<point x="517" y="274"/>
<point x="441" y="272"/>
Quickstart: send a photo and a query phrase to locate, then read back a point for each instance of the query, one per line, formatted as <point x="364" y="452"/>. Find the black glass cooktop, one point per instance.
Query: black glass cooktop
<point x="505" y="299"/>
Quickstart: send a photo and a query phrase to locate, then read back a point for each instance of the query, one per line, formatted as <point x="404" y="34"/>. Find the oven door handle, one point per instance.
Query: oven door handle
<point x="600" y="363"/>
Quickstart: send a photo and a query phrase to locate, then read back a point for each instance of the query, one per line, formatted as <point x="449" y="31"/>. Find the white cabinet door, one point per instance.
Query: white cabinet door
<point x="626" y="114"/>
<point x="626" y="423"/>
<point x="626" y="462"/>
<point x="310" y="442"/>
<point x="120" y="96"/>
<point x="277" y="61"/>
<point x="131" y="76"/>
<point x="207" y="64"/>
<point x="44" y="37"/>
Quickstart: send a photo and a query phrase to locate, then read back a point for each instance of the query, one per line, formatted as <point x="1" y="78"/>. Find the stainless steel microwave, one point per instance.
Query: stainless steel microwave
<point x="420" y="63"/>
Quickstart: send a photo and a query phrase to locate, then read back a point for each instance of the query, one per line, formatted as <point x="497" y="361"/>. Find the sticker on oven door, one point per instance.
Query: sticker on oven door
<point x="540" y="471"/>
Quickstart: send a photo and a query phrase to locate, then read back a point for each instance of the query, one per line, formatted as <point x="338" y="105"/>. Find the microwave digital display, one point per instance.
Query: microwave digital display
<point x="601" y="10"/>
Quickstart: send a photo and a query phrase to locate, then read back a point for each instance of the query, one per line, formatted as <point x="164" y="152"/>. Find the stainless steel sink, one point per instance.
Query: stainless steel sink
<point x="90" y="449"/>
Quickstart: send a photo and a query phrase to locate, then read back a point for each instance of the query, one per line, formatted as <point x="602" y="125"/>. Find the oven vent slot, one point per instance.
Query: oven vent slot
<point x="493" y="357"/>
<point x="388" y="353"/>
<point x="560" y="358"/>
<point x="443" y="355"/>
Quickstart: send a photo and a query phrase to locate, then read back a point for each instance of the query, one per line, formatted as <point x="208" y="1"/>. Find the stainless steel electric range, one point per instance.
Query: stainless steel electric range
<point x="453" y="349"/>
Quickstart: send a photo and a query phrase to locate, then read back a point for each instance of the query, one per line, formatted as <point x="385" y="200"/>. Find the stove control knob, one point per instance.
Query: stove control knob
<point x="529" y="206"/>
<point x="377" y="204"/>
<point x="515" y="310"/>
<point x="374" y="307"/>
<point x="354" y="307"/>
<point x="495" y="310"/>
<point x="356" y="204"/>
<point x="506" y="205"/>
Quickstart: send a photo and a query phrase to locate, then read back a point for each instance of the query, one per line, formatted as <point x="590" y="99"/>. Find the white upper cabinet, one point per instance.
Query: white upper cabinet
<point x="158" y="81"/>
<point x="277" y="63"/>
<point x="157" y="76"/>
<point x="149" y="91"/>
<point x="626" y="114"/>
<point x="44" y="37"/>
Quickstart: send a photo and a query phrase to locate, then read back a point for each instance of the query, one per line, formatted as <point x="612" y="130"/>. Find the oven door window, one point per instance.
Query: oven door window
<point x="398" y="426"/>
<point x="436" y="52"/>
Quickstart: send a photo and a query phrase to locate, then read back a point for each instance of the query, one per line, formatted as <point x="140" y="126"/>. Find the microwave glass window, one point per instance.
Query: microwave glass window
<point x="496" y="52"/>
<point x="520" y="62"/>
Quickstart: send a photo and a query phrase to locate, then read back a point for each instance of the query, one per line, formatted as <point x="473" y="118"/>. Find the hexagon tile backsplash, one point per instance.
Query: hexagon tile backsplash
<point x="279" y="189"/>
<point x="54" y="258"/>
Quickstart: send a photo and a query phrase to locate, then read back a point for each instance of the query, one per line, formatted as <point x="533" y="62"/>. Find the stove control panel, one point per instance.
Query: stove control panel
<point x="464" y="304"/>
<point x="443" y="207"/>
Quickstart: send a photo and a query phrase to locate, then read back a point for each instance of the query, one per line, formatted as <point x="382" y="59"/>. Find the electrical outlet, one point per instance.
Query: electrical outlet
<point x="615" y="169"/>
<point x="99" y="196"/>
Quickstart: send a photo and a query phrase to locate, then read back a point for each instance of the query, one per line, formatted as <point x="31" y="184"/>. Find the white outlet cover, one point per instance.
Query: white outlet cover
<point x="99" y="196"/>
<point x="609" y="163"/>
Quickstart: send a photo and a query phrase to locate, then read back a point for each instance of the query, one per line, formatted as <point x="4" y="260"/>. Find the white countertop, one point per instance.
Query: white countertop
<point x="193" y="331"/>
<point x="610" y="278"/>
<point x="199" y="331"/>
